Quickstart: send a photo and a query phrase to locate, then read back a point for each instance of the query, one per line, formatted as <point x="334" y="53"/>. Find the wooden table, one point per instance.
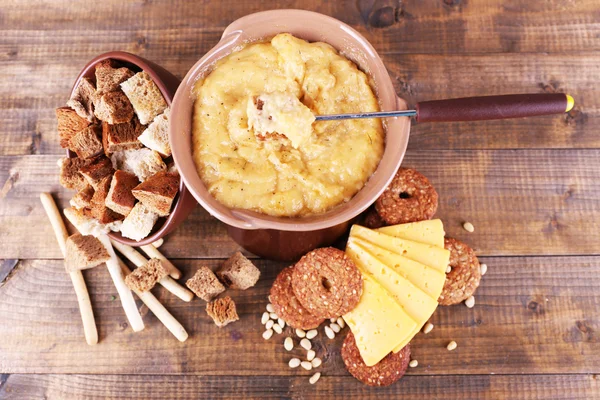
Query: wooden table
<point x="530" y="187"/>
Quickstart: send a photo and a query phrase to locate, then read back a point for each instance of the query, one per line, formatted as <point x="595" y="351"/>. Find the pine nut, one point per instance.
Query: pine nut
<point x="316" y="362"/>
<point x="270" y="308"/>
<point x="413" y="363"/>
<point x="288" y="343"/>
<point x="294" y="363"/>
<point x="335" y="327"/>
<point x="470" y="302"/>
<point x="329" y="332"/>
<point x="313" y="379"/>
<point x="264" y="318"/>
<point x="341" y="322"/>
<point x="469" y="227"/>
<point x="281" y="322"/>
<point x="306" y="365"/>
<point x="448" y="269"/>
<point x="332" y="319"/>
<point x="274" y="316"/>
<point x="310" y="355"/>
<point x="277" y="329"/>
<point x="451" y="346"/>
<point x="269" y="324"/>
<point x="300" y="333"/>
<point x="428" y="328"/>
<point x="306" y="344"/>
<point x="311" y="334"/>
<point x="267" y="334"/>
<point x="483" y="269"/>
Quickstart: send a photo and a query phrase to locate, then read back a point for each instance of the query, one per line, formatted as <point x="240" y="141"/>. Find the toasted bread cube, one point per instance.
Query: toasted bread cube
<point x="145" y="277"/>
<point x="98" y="209"/>
<point x="119" y="198"/>
<point x="142" y="162"/>
<point x="83" y="198"/>
<point x="114" y="108"/>
<point x="139" y="223"/>
<point x="119" y="137"/>
<point x="69" y="124"/>
<point x="158" y="192"/>
<point x="222" y="311"/>
<point x="238" y="272"/>
<point x="145" y="96"/>
<point x="205" y="284"/>
<point x="82" y="100"/>
<point x="69" y="176"/>
<point x="109" y="76"/>
<point x="83" y="252"/>
<point x="156" y="136"/>
<point x="98" y="169"/>
<point x="86" y="143"/>
<point x="88" y="225"/>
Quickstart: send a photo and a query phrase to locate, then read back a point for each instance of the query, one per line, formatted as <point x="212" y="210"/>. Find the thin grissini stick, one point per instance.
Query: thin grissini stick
<point x="83" y="297"/>
<point x="159" y="310"/>
<point x="158" y="243"/>
<point x="153" y="252"/>
<point x="127" y="300"/>
<point x="139" y="260"/>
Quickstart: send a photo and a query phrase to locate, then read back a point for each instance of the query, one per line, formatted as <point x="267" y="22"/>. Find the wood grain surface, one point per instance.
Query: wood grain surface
<point x="529" y="186"/>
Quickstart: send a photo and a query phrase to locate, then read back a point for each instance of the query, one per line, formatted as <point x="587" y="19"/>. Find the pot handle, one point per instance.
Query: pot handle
<point x="493" y="107"/>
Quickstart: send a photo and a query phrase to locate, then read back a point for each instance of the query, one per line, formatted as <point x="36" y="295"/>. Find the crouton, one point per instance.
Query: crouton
<point x="139" y="222"/>
<point x="98" y="169"/>
<point x="238" y="272"/>
<point x="69" y="176"/>
<point x="86" y="143"/>
<point x="142" y="162"/>
<point x="97" y="208"/>
<point x="158" y="192"/>
<point x="119" y="137"/>
<point x="83" y="252"/>
<point x="109" y="77"/>
<point x="69" y="123"/>
<point x="82" y="99"/>
<point x="222" y="311"/>
<point x="114" y="108"/>
<point x="88" y="225"/>
<point x="156" y="135"/>
<point x="119" y="198"/>
<point x="145" y="277"/>
<point x="83" y="198"/>
<point x="145" y="96"/>
<point x="205" y="284"/>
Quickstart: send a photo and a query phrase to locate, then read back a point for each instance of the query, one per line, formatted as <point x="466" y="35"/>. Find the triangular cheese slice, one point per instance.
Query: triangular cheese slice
<point x="378" y="323"/>
<point x="429" y="232"/>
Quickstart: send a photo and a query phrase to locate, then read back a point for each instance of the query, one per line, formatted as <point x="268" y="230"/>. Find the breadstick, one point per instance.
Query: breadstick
<point x="153" y="252"/>
<point x="158" y="243"/>
<point x="139" y="260"/>
<point x="83" y="297"/>
<point x="159" y="311"/>
<point x="127" y="300"/>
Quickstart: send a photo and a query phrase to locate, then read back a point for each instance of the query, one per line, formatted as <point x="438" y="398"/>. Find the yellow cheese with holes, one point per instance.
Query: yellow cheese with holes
<point x="417" y="304"/>
<point x="378" y="323"/>
<point x="427" y="254"/>
<point x="426" y="278"/>
<point x="430" y="232"/>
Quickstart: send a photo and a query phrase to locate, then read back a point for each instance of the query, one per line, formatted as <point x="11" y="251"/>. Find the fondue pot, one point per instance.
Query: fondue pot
<point x="289" y="238"/>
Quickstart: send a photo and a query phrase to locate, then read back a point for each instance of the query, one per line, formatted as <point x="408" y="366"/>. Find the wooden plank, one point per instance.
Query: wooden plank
<point x="524" y="387"/>
<point x="532" y="315"/>
<point x="28" y="124"/>
<point x="521" y="202"/>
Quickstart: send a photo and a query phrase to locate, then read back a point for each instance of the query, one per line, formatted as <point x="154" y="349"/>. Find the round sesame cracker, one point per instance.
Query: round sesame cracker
<point x="409" y="198"/>
<point x="372" y="219"/>
<point x="463" y="279"/>
<point x="387" y="371"/>
<point x="287" y="306"/>
<point x="327" y="283"/>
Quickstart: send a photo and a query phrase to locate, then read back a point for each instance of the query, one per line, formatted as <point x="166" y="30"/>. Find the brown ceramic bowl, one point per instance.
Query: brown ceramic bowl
<point x="167" y="83"/>
<point x="289" y="238"/>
